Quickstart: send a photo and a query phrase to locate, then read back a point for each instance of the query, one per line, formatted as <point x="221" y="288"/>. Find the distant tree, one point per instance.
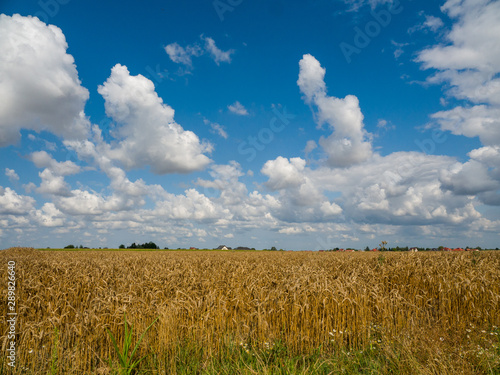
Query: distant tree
<point x="69" y="247"/>
<point x="121" y="247"/>
<point x="149" y="245"/>
<point x="367" y="248"/>
<point x="166" y="248"/>
<point x="273" y="248"/>
<point x="81" y="246"/>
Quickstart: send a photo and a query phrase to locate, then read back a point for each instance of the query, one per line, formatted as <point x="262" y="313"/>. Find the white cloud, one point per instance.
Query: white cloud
<point x="290" y="230"/>
<point x="216" y="128"/>
<point x="431" y="23"/>
<point x="310" y="146"/>
<point x="346" y="145"/>
<point x="330" y="208"/>
<point x="238" y="109"/>
<point x="49" y="216"/>
<point x="478" y="121"/>
<point x="12" y="175"/>
<point x="42" y="159"/>
<point x="399" y="48"/>
<point x="471" y="59"/>
<point x="53" y="174"/>
<point x="40" y="87"/>
<point x="181" y="55"/>
<point x="13" y="203"/>
<point x="148" y="134"/>
<point x="217" y="54"/>
<point x="284" y="173"/>
<point x="82" y="203"/>
<point x="53" y="184"/>
<point x="192" y="205"/>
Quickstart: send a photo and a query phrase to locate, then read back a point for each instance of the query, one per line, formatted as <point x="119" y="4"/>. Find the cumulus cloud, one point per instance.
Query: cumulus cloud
<point x="13" y="203"/>
<point x="478" y="121"/>
<point x="40" y="87"/>
<point x="12" y="175"/>
<point x="469" y="64"/>
<point x="42" y="159"/>
<point x="238" y="109"/>
<point x="49" y="216"/>
<point x="192" y="205"/>
<point x="347" y="144"/>
<point x="284" y="173"/>
<point x="53" y="174"/>
<point x="148" y="134"/>
<point x="53" y="184"/>
<point x="470" y="61"/>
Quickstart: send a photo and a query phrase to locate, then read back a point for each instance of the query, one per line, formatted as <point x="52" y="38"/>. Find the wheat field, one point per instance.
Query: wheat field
<point x="416" y="312"/>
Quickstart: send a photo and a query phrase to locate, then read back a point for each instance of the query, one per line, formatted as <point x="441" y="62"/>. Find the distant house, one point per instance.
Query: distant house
<point x="413" y="248"/>
<point x="458" y="249"/>
<point x="446" y="249"/>
<point x="375" y="249"/>
<point x="193" y="248"/>
<point x="223" y="247"/>
<point x="321" y="251"/>
<point x="242" y="248"/>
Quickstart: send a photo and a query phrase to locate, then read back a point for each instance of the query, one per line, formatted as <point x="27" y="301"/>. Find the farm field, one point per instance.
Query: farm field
<point x="226" y="312"/>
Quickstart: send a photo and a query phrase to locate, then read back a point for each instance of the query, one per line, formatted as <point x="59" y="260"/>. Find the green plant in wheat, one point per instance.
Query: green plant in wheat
<point x="127" y="360"/>
<point x="53" y="364"/>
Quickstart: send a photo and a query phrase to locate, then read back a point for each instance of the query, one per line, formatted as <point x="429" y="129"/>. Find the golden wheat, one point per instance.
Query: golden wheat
<point x="306" y="300"/>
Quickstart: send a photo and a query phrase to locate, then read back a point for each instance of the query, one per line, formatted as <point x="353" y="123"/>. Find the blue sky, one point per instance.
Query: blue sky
<point x="250" y="123"/>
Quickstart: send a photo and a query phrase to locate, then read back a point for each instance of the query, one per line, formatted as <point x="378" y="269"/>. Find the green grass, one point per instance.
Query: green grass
<point x="128" y="361"/>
